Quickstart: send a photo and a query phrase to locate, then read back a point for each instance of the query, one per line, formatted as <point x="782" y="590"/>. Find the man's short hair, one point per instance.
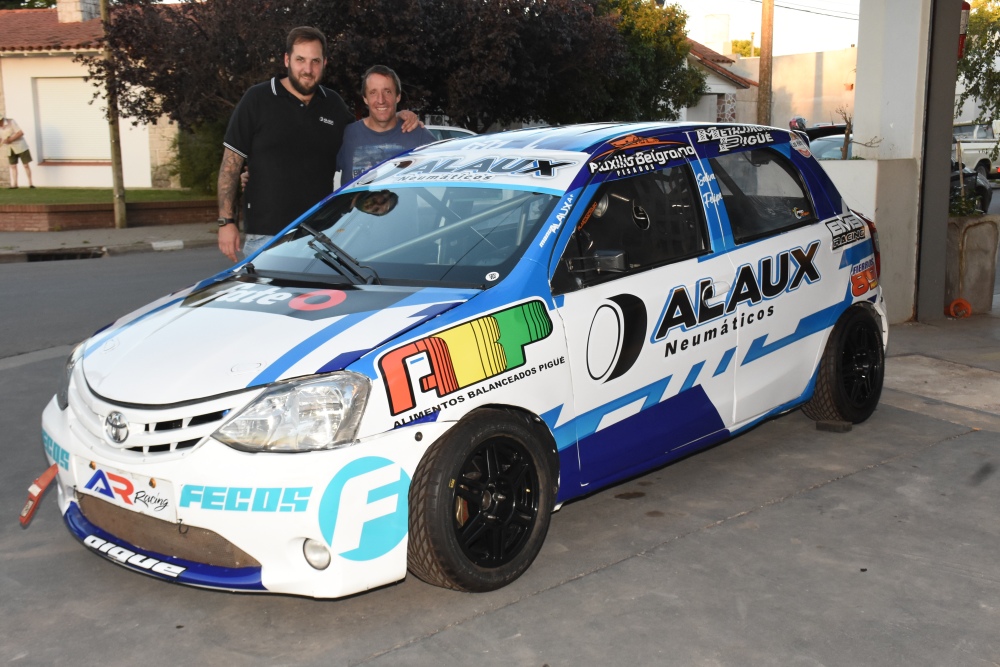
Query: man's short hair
<point x="304" y="34"/>
<point x="384" y="71"/>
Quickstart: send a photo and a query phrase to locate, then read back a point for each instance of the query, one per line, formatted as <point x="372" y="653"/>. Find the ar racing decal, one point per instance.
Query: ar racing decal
<point x="465" y="355"/>
<point x="772" y="277"/>
<point x="648" y="154"/>
<point x="364" y="511"/>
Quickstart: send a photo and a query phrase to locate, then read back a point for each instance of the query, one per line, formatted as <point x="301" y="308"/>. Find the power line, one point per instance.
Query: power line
<point x="848" y="17"/>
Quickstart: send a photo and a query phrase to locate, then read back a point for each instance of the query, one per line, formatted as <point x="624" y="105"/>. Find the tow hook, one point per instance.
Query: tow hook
<point x="35" y="492"/>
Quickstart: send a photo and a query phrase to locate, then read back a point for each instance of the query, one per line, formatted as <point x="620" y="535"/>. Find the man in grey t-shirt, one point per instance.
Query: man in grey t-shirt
<point x="378" y="136"/>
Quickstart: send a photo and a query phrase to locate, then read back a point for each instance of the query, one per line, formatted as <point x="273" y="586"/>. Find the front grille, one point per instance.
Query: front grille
<point x="195" y="544"/>
<point x="152" y="430"/>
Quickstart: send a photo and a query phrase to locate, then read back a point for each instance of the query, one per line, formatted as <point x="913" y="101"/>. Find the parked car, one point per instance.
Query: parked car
<point x="978" y="141"/>
<point x="449" y="132"/>
<point x="419" y="371"/>
<point x="831" y="147"/>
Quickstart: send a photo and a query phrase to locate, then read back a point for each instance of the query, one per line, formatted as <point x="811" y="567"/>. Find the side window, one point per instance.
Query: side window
<point x="631" y="225"/>
<point x="763" y="193"/>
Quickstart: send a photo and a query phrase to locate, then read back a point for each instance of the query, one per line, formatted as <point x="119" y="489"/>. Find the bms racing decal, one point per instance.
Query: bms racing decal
<point x="465" y="354"/>
<point x="845" y="230"/>
<point x="771" y="277"/>
<point x="648" y="154"/>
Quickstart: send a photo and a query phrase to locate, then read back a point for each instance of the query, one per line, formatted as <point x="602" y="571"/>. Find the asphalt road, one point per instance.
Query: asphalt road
<point x="785" y="546"/>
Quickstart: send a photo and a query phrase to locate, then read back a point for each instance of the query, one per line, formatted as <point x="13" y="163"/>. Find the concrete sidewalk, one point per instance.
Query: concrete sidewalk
<point x="34" y="246"/>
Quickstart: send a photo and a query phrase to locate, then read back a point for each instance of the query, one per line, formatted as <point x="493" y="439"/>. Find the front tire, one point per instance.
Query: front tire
<point x="851" y="370"/>
<point x="480" y="503"/>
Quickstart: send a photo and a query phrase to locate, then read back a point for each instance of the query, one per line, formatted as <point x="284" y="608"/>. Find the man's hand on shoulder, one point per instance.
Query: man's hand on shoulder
<point x="409" y="119"/>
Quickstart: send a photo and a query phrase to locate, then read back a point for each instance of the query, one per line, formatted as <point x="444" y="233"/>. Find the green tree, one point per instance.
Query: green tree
<point x="654" y="81"/>
<point x="745" y="48"/>
<point x="977" y="68"/>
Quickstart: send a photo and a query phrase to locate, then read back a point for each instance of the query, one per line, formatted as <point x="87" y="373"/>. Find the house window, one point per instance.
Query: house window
<point x="71" y="129"/>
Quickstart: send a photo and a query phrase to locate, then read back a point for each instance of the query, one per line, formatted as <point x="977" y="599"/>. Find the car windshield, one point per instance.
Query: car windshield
<point x="435" y="234"/>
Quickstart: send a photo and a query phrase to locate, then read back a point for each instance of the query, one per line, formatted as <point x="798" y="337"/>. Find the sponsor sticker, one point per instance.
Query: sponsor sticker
<point x="132" y="558"/>
<point x="245" y="498"/>
<point x="147" y="495"/>
<point x="863" y="277"/>
<point x="637" y="155"/>
<point x="845" y="230"/>
<point x="737" y="136"/>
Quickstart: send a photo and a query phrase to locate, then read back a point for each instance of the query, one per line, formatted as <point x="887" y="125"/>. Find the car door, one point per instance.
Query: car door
<point x="786" y="290"/>
<point x="650" y="381"/>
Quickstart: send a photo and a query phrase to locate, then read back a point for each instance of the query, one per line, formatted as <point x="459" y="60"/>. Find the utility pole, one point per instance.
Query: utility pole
<point x="764" y="78"/>
<point x="117" y="176"/>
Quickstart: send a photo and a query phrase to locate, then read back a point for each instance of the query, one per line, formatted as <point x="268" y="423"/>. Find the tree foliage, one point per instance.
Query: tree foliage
<point x="977" y="68"/>
<point x="745" y="48"/>
<point x="478" y="61"/>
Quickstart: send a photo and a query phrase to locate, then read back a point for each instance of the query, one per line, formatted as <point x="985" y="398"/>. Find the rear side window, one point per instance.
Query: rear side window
<point x="763" y="193"/>
<point x="646" y="221"/>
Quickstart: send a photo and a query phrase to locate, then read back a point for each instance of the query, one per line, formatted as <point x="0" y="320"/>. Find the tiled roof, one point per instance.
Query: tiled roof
<point x="40" y="30"/>
<point x="715" y="61"/>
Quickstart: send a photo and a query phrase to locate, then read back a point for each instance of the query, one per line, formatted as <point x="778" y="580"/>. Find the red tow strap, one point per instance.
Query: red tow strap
<point x="35" y="492"/>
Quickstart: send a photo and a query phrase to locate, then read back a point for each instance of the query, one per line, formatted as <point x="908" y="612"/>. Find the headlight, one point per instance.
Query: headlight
<point x="300" y="416"/>
<point x="62" y="394"/>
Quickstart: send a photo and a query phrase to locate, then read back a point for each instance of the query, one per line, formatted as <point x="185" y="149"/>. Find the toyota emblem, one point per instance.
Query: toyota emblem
<point x="116" y="426"/>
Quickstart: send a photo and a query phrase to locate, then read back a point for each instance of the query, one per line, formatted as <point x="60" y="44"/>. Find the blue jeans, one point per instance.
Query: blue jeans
<point x="253" y="242"/>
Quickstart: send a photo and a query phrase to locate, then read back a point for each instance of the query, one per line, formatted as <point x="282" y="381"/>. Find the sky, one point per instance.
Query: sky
<point x="800" y="26"/>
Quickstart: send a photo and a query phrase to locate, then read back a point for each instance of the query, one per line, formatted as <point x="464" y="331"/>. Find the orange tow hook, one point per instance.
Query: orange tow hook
<point x="35" y="492"/>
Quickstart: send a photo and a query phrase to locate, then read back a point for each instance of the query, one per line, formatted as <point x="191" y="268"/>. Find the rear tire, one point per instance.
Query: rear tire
<point x="480" y="503"/>
<point x="851" y="370"/>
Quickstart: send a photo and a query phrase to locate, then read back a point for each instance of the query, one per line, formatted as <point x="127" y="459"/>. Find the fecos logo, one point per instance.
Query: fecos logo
<point x="364" y="511"/>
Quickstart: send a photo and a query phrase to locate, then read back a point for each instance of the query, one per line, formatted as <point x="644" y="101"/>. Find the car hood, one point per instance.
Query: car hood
<point x="242" y="333"/>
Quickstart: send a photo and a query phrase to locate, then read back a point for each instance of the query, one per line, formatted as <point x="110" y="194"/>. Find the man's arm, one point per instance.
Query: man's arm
<point x="229" y="189"/>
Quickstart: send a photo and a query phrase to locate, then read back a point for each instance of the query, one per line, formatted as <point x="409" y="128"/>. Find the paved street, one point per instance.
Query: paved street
<point x="785" y="546"/>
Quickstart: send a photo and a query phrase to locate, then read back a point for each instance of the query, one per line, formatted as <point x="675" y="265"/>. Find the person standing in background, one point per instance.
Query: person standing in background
<point x="16" y="148"/>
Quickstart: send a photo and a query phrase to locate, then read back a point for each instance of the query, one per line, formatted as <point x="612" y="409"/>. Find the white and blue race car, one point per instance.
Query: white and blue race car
<point x="421" y="369"/>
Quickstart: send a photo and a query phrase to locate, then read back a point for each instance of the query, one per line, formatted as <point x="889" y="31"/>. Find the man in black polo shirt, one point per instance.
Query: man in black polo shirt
<point x="291" y="129"/>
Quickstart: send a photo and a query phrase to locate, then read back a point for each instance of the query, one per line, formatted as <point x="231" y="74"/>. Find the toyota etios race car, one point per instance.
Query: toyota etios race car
<point x="423" y="367"/>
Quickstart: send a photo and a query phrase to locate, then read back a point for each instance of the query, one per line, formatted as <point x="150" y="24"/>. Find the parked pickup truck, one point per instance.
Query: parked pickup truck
<point x="978" y="141"/>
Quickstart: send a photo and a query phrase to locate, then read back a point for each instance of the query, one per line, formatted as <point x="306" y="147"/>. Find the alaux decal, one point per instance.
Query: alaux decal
<point x="564" y="208"/>
<point x="863" y="277"/>
<point x="415" y="168"/>
<point x="465" y="354"/>
<point x="617" y="334"/>
<point x="649" y="154"/>
<point x="133" y="559"/>
<point x="845" y="230"/>
<point x="773" y="276"/>
<point x="301" y="303"/>
<point x="364" y="510"/>
<point x="739" y="136"/>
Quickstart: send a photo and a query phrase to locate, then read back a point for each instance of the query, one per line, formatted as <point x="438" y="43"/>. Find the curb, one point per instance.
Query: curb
<point x="88" y="252"/>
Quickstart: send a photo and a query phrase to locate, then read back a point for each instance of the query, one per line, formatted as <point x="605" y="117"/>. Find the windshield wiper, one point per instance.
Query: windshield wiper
<point x="339" y="260"/>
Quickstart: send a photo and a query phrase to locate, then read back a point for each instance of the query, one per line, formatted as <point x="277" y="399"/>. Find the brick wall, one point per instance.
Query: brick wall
<point x="61" y="217"/>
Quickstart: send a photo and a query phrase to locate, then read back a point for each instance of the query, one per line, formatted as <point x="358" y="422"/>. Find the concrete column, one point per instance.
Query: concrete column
<point x="904" y="47"/>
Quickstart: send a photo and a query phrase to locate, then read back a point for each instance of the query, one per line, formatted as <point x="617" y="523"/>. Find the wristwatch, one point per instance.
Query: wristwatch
<point x="226" y="221"/>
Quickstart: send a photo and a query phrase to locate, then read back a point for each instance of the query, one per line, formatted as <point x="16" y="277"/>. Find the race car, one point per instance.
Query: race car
<point x="419" y="371"/>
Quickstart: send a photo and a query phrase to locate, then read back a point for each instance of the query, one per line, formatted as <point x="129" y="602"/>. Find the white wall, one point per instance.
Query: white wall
<point x="18" y="72"/>
<point x="811" y="85"/>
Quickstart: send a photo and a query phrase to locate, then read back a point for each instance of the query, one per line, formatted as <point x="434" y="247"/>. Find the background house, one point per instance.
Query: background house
<point x="732" y="95"/>
<point x="47" y="93"/>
